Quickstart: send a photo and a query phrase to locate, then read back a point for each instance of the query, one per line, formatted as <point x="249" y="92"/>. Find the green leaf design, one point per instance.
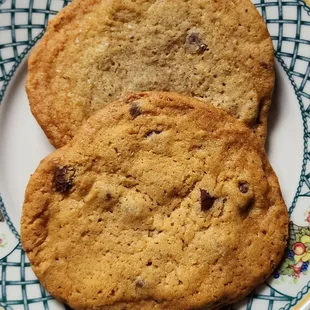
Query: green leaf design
<point x="291" y="243"/>
<point x="286" y="269"/>
<point x="1" y="217"/>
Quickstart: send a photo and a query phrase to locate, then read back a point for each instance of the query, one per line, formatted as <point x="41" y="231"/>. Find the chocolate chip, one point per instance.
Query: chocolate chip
<point x="63" y="178"/>
<point x="206" y="200"/>
<point x="193" y="38"/>
<point x="264" y="65"/>
<point x="135" y="110"/>
<point x="195" y="44"/>
<point x="152" y="132"/>
<point x="1" y="217"/>
<point x="139" y="283"/>
<point x="108" y="196"/>
<point x="202" y="48"/>
<point x="244" y="187"/>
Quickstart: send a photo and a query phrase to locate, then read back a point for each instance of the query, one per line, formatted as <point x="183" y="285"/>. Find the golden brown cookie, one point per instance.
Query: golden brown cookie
<point x="159" y="202"/>
<point x="95" y="51"/>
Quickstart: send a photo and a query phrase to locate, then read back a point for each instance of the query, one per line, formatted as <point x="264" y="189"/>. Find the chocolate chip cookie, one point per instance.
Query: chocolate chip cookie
<point x="95" y="51"/>
<point x="160" y="201"/>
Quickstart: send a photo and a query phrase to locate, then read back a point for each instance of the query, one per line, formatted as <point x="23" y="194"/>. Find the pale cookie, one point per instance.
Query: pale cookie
<point x="159" y="202"/>
<point x="96" y="51"/>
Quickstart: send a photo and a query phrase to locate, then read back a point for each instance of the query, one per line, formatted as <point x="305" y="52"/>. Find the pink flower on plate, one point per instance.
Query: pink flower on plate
<point x="3" y="242"/>
<point x="297" y="269"/>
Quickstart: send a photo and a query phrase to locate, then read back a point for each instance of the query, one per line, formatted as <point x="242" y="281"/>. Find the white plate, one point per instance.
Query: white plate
<point x="23" y="145"/>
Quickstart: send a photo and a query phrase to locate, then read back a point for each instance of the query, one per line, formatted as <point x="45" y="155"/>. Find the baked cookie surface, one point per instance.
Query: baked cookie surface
<point x="95" y="51"/>
<point x="159" y="202"/>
